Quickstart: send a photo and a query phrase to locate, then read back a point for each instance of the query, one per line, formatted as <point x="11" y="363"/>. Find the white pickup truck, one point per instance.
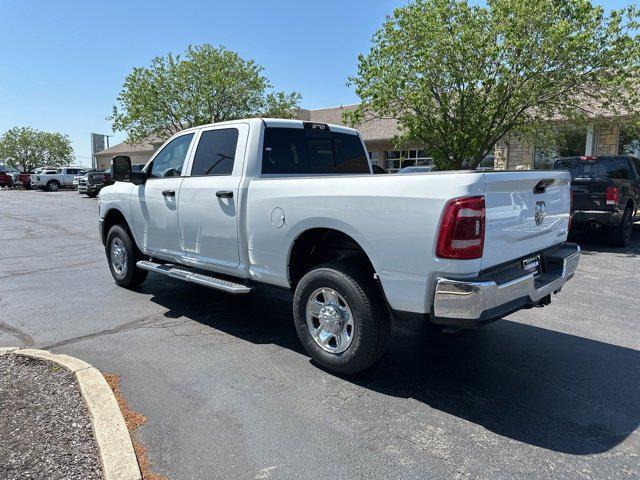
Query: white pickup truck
<point x="53" y="179"/>
<point x="295" y="205"/>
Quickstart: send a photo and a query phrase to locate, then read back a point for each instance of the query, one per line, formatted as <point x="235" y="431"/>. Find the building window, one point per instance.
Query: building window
<point x="544" y="158"/>
<point x="570" y="143"/>
<point x="487" y="163"/>
<point x="628" y="142"/>
<point x="397" y="159"/>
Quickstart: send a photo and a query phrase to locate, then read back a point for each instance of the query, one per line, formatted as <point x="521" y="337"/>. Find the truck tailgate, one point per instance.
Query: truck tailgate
<point x="520" y="221"/>
<point x="590" y="193"/>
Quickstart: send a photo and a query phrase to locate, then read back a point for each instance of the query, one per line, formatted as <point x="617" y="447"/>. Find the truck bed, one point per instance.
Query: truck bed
<point x="396" y="218"/>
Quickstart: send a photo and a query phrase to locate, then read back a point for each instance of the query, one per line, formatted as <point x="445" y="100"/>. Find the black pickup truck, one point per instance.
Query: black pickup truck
<point x="605" y="193"/>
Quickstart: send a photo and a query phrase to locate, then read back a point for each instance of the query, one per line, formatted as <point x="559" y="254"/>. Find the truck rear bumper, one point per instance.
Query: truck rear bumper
<point x="470" y="303"/>
<point x="607" y="218"/>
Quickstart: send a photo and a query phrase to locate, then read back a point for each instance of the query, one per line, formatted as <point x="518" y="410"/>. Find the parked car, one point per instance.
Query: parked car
<point x="12" y="177"/>
<point x="76" y="179"/>
<point x="21" y="180"/>
<point x="92" y="182"/>
<point x="606" y="193"/>
<point x="416" y="169"/>
<point x="52" y="179"/>
<point x="6" y="177"/>
<point x="6" y="180"/>
<point x="295" y="205"/>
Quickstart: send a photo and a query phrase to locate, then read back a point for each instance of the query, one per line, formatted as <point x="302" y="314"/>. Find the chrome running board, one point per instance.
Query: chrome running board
<point x="186" y="275"/>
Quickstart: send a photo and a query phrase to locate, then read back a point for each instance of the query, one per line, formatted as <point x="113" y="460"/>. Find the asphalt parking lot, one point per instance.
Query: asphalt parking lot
<point x="546" y="393"/>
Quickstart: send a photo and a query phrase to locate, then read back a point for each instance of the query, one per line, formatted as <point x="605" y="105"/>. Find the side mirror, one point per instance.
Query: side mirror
<point x="121" y="171"/>
<point x="121" y="168"/>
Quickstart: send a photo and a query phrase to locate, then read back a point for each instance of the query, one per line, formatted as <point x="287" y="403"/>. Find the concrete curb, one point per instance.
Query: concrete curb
<point x="114" y="443"/>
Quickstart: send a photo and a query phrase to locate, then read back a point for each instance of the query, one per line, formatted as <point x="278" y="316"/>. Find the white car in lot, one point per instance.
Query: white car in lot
<point x="53" y="179"/>
<point x="295" y="205"/>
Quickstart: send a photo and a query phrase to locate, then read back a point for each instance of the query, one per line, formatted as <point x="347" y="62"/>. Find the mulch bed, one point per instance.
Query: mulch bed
<point x="45" y="428"/>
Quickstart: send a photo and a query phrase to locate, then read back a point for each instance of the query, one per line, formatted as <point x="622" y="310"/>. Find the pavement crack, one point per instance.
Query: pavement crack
<point x="21" y="335"/>
<point x="21" y="273"/>
<point x="132" y="325"/>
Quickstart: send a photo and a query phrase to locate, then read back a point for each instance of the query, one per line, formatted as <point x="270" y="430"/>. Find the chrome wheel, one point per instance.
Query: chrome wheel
<point x="329" y="320"/>
<point x="118" y="257"/>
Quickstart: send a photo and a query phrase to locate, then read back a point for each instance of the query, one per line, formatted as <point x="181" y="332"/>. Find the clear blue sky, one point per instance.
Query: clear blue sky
<point x="62" y="63"/>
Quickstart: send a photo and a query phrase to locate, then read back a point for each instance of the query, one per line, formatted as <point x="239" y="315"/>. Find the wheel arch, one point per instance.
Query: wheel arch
<point x="112" y="217"/>
<point x="631" y="205"/>
<point x="316" y="245"/>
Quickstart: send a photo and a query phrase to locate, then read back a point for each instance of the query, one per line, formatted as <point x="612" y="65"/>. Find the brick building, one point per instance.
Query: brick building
<point x="512" y="154"/>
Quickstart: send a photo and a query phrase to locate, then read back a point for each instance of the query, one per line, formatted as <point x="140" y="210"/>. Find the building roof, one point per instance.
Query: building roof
<point x="147" y="145"/>
<point x="372" y="129"/>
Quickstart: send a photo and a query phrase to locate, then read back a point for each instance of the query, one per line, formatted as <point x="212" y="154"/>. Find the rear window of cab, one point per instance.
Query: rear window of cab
<point x="613" y="167"/>
<point x="312" y="151"/>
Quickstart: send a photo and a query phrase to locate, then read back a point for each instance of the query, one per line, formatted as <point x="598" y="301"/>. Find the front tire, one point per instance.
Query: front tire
<point x="621" y="235"/>
<point x="341" y="318"/>
<point x="122" y="255"/>
<point x="53" y="186"/>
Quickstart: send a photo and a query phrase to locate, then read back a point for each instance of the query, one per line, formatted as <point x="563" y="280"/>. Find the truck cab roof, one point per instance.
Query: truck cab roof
<point x="278" y="123"/>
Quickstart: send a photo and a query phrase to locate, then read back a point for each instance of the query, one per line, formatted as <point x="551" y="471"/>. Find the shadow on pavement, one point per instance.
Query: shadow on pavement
<point x="545" y="388"/>
<point x="596" y="241"/>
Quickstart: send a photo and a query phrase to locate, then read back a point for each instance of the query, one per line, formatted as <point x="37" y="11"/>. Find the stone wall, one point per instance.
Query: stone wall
<point x="500" y="155"/>
<point x="607" y="140"/>
<point x="513" y="155"/>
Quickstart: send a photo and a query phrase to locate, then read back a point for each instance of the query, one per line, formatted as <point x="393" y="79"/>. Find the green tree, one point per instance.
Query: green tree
<point x="207" y="85"/>
<point x="26" y="148"/>
<point x="459" y="77"/>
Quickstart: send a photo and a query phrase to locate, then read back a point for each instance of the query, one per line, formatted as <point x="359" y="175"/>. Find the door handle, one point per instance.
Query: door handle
<point x="224" y="194"/>
<point x="169" y="193"/>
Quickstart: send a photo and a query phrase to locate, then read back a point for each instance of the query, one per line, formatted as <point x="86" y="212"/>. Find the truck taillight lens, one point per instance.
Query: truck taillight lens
<point x="461" y="234"/>
<point x="613" y="195"/>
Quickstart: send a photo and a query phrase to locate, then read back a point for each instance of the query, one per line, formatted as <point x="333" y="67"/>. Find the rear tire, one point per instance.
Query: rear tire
<point x="338" y="294"/>
<point x="621" y="235"/>
<point x="92" y="194"/>
<point x="53" y="186"/>
<point x="122" y="255"/>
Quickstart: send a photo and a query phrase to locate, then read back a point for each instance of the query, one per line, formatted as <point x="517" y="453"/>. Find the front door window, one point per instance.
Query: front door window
<point x="169" y="162"/>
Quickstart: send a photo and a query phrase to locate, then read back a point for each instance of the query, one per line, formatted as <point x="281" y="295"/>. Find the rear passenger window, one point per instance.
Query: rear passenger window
<point x="216" y="152"/>
<point x="618" y="167"/>
<point x="312" y="151"/>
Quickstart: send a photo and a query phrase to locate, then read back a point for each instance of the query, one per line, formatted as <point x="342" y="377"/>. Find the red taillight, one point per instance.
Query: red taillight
<point x="588" y="158"/>
<point x="461" y="234"/>
<point x="613" y="195"/>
